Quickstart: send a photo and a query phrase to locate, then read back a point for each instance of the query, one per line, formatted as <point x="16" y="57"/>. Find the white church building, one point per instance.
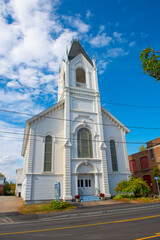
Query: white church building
<point x="76" y="142"/>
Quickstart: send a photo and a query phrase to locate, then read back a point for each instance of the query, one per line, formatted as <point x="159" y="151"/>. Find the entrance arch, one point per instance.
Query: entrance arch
<point x="86" y="179"/>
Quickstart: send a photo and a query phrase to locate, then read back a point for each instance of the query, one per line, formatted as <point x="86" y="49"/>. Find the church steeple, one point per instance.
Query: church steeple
<point x="76" y="49"/>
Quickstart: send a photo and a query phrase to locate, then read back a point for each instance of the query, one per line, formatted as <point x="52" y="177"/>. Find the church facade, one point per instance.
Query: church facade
<point x="76" y="142"/>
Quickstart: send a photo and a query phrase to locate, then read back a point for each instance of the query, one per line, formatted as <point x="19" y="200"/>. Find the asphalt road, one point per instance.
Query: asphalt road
<point x="141" y="224"/>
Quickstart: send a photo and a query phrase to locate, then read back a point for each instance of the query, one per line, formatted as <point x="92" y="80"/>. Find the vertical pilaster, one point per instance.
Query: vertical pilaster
<point x="67" y="146"/>
<point x="28" y="192"/>
<point x="105" y="181"/>
<point x="28" y="186"/>
<point x="95" y="79"/>
<point x="125" y="154"/>
<point x="67" y="172"/>
<point x="31" y="151"/>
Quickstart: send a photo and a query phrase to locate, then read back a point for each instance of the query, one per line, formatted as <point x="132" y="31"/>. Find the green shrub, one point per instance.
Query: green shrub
<point x="58" y="205"/>
<point x="135" y="186"/>
<point x="122" y="196"/>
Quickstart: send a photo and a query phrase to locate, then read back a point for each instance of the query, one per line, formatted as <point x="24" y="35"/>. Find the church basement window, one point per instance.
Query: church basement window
<point x="48" y="154"/>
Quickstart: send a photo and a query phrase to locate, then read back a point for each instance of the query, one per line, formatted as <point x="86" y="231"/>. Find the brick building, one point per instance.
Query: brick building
<point x="2" y="185"/>
<point x="142" y="163"/>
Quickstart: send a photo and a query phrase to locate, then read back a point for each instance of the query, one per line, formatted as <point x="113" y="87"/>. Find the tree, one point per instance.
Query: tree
<point x="155" y="173"/>
<point x="1" y="175"/>
<point x="151" y="62"/>
<point x="12" y="187"/>
<point x="142" y="148"/>
<point x="135" y="186"/>
<point x="7" y="188"/>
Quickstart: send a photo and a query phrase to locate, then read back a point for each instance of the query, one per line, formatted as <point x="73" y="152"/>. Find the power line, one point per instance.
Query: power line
<point x="132" y="105"/>
<point x="62" y="138"/>
<point x="63" y="119"/>
<point x="108" y="102"/>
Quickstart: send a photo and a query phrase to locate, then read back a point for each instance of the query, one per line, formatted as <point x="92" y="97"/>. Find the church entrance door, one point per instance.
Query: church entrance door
<point x="86" y="184"/>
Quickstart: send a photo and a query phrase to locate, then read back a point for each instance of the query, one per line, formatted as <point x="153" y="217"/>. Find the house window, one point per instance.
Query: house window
<point x="80" y="76"/>
<point x="48" y="154"/>
<point x="144" y="163"/>
<point x="84" y="138"/>
<point x="132" y="165"/>
<point x="152" y="153"/>
<point x="113" y="156"/>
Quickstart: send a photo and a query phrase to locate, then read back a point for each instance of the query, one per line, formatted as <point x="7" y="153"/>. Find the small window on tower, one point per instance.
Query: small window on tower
<point x="80" y="76"/>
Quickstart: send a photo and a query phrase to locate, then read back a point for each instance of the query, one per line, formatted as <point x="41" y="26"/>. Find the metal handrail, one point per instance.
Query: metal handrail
<point x="80" y="192"/>
<point x="97" y="192"/>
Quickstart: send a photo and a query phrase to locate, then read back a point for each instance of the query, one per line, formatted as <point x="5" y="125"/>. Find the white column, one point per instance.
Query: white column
<point x="68" y="145"/>
<point x="125" y="154"/>
<point x="105" y="181"/>
<point x="67" y="75"/>
<point x="28" y="187"/>
<point x="95" y="79"/>
<point x="67" y="172"/>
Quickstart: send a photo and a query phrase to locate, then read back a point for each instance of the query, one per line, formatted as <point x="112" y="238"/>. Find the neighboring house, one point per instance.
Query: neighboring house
<point x="76" y="142"/>
<point x="2" y="185"/>
<point x="19" y="175"/>
<point x="142" y="163"/>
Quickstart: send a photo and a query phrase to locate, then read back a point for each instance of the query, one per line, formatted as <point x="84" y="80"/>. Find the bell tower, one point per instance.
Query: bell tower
<point x="78" y="87"/>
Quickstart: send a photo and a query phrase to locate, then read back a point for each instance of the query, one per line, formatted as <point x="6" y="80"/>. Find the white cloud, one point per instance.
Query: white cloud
<point x="101" y="28"/>
<point x="118" y="37"/>
<point x="10" y="154"/>
<point x="131" y="44"/>
<point x="101" y="40"/>
<point x="88" y="14"/>
<point x="116" y="52"/>
<point x="144" y="34"/>
<point x="77" y="23"/>
<point x="32" y="46"/>
<point x="102" y="65"/>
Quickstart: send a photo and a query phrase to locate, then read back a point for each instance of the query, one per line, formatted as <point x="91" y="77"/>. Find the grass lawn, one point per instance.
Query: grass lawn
<point x="42" y="208"/>
<point x="138" y="200"/>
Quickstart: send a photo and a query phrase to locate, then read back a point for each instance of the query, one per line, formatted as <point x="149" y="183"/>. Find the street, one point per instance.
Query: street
<point x="141" y="224"/>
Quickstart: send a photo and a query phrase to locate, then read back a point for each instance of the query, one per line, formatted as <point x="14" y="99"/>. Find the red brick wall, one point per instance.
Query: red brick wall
<point x="151" y="162"/>
<point x="1" y="189"/>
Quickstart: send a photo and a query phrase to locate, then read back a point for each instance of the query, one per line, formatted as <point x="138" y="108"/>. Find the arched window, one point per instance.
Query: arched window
<point x="48" y="154"/>
<point x="80" y="75"/>
<point x="113" y="156"/>
<point x="84" y="137"/>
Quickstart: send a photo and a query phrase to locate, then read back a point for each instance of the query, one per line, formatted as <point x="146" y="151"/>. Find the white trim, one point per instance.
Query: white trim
<point x="36" y="117"/>
<point x="110" y="116"/>
<point x="86" y="163"/>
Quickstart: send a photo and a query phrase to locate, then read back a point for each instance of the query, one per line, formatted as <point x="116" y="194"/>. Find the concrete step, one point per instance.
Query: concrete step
<point x="89" y="198"/>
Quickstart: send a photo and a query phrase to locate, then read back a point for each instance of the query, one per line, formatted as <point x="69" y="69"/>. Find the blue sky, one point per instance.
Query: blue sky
<point x="33" y="39"/>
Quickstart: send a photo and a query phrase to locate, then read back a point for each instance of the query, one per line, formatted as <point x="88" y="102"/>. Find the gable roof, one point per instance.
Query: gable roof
<point x="36" y="117"/>
<point x="115" y="121"/>
<point x="76" y="49"/>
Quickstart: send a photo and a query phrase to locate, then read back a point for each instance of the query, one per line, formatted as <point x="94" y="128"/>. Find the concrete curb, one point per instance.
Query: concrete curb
<point x="18" y="218"/>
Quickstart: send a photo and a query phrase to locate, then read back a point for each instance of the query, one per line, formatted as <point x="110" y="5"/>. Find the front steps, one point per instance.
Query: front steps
<point x="89" y="198"/>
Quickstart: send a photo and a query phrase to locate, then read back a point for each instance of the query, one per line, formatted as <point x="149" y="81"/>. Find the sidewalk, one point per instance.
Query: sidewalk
<point x="10" y="204"/>
<point x="82" y="209"/>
